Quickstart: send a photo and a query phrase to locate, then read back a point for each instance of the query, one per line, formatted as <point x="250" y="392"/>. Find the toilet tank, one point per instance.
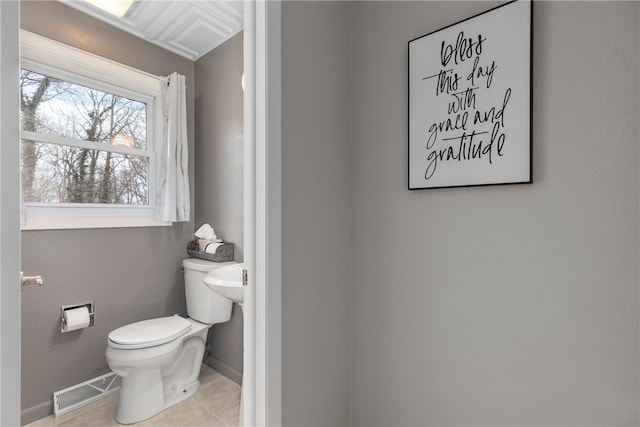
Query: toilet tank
<point x="203" y="304"/>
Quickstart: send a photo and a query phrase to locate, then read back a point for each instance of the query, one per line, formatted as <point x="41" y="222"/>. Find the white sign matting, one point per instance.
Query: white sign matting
<point x="470" y="101"/>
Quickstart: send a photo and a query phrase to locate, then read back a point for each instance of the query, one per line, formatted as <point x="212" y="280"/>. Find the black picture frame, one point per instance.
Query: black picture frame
<point x="470" y="101"/>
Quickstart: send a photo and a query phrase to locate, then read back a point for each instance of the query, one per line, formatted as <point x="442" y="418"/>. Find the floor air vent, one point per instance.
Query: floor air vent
<point x="82" y="394"/>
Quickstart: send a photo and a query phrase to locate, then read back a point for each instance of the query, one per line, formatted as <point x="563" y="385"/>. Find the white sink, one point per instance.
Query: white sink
<point x="227" y="282"/>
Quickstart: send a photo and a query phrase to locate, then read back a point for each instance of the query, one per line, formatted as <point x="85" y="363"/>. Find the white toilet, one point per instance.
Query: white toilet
<point x="159" y="359"/>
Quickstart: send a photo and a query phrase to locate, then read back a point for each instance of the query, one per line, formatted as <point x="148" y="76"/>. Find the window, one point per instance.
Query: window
<point x="89" y="132"/>
<point x="81" y="145"/>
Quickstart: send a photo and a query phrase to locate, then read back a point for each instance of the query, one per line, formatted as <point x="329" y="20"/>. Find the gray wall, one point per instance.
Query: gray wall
<point x="219" y="176"/>
<point x="316" y="215"/>
<point x="509" y="305"/>
<point x="132" y="274"/>
<point x="506" y="305"/>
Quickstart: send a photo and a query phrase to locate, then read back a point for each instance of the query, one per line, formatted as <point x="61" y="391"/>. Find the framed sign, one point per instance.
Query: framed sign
<point x="470" y="101"/>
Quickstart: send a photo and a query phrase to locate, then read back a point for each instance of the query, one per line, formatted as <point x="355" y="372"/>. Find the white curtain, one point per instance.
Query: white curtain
<point x="172" y="202"/>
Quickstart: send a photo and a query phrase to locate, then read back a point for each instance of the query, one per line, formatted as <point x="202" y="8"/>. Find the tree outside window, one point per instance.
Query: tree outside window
<point x="81" y="145"/>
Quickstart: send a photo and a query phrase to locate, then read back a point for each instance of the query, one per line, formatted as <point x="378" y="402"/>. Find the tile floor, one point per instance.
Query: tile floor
<point x="215" y="404"/>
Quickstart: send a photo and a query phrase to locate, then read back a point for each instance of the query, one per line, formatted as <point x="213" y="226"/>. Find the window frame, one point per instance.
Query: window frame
<point x="42" y="55"/>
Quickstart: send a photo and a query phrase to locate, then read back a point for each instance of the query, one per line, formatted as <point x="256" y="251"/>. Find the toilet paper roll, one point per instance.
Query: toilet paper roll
<point x="76" y="318"/>
<point x="211" y="248"/>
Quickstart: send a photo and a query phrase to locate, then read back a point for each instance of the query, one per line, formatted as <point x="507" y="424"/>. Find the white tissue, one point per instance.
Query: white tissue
<point x="205" y="232"/>
<point x="206" y="238"/>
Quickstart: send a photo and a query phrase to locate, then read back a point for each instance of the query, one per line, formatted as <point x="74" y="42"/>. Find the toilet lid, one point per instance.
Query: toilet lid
<point x="148" y="333"/>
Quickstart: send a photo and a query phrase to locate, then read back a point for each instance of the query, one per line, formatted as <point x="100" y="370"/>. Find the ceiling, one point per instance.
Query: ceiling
<point x="188" y="28"/>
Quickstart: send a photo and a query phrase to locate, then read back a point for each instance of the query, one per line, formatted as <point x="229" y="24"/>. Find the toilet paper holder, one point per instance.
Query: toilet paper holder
<point x="88" y="304"/>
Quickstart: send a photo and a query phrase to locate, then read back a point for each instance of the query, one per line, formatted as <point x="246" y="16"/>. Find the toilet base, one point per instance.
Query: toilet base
<point x="180" y="395"/>
<point x="140" y="403"/>
<point x="141" y="396"/>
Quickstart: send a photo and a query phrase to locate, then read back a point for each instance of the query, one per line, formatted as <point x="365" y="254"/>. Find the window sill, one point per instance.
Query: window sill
<point x="60" y="218"/>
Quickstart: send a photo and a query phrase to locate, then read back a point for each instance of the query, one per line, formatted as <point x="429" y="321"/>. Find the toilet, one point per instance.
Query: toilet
<point x="159" y="359"/>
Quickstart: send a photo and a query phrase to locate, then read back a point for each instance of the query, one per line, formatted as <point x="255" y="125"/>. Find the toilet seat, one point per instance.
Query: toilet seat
<point x="149" y="333"/>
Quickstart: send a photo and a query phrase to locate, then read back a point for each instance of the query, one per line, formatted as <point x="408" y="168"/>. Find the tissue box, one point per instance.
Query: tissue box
<point x="223" y="253"/>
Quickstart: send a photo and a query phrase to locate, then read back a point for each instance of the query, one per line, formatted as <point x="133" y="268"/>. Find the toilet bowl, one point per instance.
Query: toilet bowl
<point x="159" y="359"/>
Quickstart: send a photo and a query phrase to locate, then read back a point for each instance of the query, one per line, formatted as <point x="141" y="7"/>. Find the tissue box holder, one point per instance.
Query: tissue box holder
<point x="224" y="252"/>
